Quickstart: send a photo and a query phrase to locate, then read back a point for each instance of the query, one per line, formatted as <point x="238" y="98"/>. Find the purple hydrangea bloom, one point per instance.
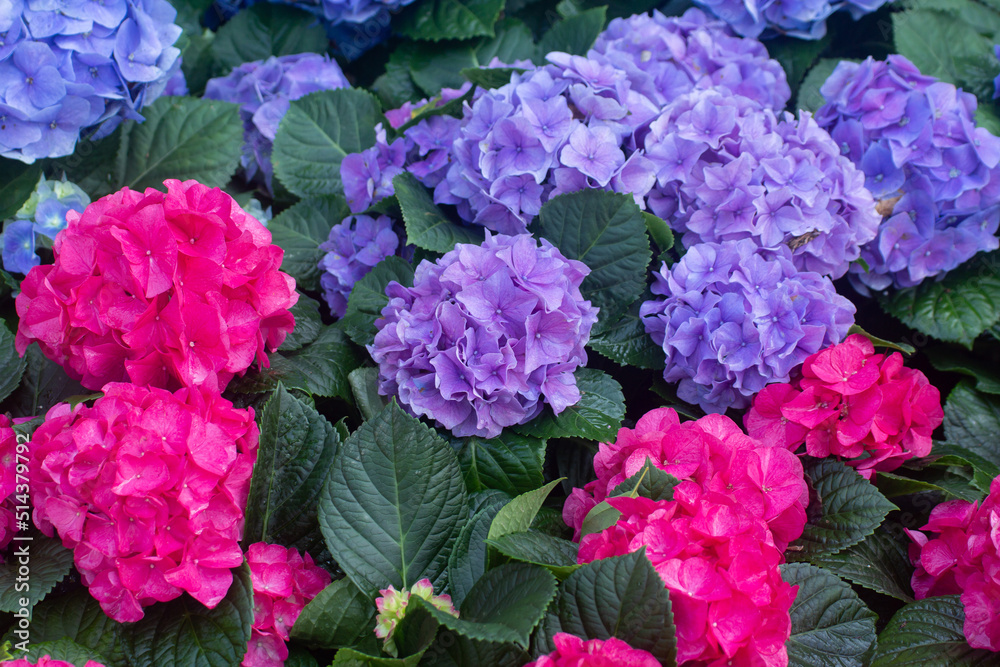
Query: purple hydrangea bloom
<point x="727" y="169"/>
<point x="355" y="246"/>
<point x="264" y="90"/>
<point x="486" y="334"/>
<point x="934" y="174"/>
<point x="367" y="176"/>
<point x="736" y="317"/>
<point x="79" y="65"/>
<point x="805" y="19"/>
<point x="44" y="213"/>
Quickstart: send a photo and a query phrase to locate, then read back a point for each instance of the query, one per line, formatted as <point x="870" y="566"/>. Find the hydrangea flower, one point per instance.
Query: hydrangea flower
<point x="736" y="317"/>
<point x="718" y="543"/>
<point x="171" y="289"/>
<point x="264" y="90"/>
<point x="151" y="502"/>
<point x="727" y="169"/>
<point x="283" y="583"/>
<point x="391" y="605"/>
<point x="72" y="66"/>
<point x="44" y="213"/>
<point x="571" y="651"/>
<point x="962" y="559"/>
<point x="354" y="247"/>
<point x="805" y="19"/>
<point x="934" y="173"/>
<point x="851" y="402"/>
<point x="486" y="334"/>
<point x="8" y="483"/>
<point x="45" y="661"/>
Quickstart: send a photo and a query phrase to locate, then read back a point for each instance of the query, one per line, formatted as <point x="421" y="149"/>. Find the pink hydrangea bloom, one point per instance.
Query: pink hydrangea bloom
<point x="8" y="479"/>
<point x="392" y="607"/>
<point x="283" y="583"/>
<point x="45" y="661"/>
<point x="167" y="289"/>
<point x="148" y="489"/>
<point x="963" y="559"/>
<point x="854" y="404"/>
<point x="571" y="651"/>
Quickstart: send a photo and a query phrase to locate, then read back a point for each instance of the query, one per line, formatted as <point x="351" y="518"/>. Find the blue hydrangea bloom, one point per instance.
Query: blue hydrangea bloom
<point x="44" y="213"/>
<point x="805" y="19"/>
<point x="486" y="334"/>
<point x="735" y="317"/>
<point x="19" y="246"/>
<point x="936" y="175"/>
<point x="79" y="65"/>
<point x="354" y="247"/>
<point x="264" y="90"/>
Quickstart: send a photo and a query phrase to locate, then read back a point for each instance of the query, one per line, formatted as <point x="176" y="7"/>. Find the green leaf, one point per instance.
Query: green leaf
<point x="467" y="561"/>
<point x="364" y="386"/>
<point x="11" y="365"/>
<point x="619" y="597"/>
<point x="892" y="485"/>
<point x="905" y="348"/>
<point x="648" y="482"/>
<point x="958" y="361"/>
<point x="44" y="383"/>
<point x="851" y="509"/>
<point x="556" y="555"/>
<point x="510" y="462"/>
<point x="183" y="138"/>
<point x="972" y="421"/>
<point x="368" y="298"/>
<point x="797" y="56"/>
<point x="300" y="230"/>
<point x="395" y="473"/>
<point x="265" y="30"/>
<point x="517" y="515"/>
<point x="184" y="633"/>
<point x="956" y="309"/>
<point x="878" y="563"/>
<point x="426" y="226"/>
<point x="934" y="41"/>
<point x="809" y="98"/>
<point x="297" y="446"/>
<point x="435" y="20"/>
<point x="60" y="649"/>
<point x="513" y="41"/>
<point x="600" y="517"/>
<point x="17" y="182"/>
<point x="486" y="77"/>
<point x="624" y="339"/>
<point x="597" y="416"/>
<point x="49" y="562"/>
<point x="316" y="134"/>
<point x="336" y="617"/>
<point x="92" y="166"/>
<point x="928" y="633"/>
<point x="659" y="231"/>
<point x="607" y="232"/>
<point x="984" y="471"/>
<point x="348" y="657"/>
<point x="575" y="34"/>
<point x="831" y="626"/>
<point x="308" y="324"/>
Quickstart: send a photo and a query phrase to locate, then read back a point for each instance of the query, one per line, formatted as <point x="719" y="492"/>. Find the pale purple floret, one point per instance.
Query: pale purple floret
<point x="354" y="247"/>
<point x="486" y="335"/>
<point x="735" y="317"/>
<point x="934" y="173"/>
<point x="805" y="19"/>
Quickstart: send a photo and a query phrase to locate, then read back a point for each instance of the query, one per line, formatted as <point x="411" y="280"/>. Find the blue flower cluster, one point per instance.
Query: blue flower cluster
<point x="44" y="213"/>
<point x="934" y="173"/>
<point x="333" y="12"/>
<point x="355" y="246"/>
<point x="805" y="19"/>
<point x="72" y="65"/>
<point x="485" y="335"/>
<point x="727" y="169"/>
<point x="736" y="317"/>
<point x="264" y="90"/>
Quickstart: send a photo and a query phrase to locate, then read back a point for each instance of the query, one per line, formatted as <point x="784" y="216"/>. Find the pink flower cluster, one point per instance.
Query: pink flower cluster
<point x="717" y="545"/>
<point x="45" y="661"/>
<point x="8" y="482"/>
<point x="963" y="559"/>
<point x="148" y="489"/>
<point x="283" y="583"/>
<point x="851" y="402"/>
<point x="167" y="289"/>
<point x="571" y="651"/>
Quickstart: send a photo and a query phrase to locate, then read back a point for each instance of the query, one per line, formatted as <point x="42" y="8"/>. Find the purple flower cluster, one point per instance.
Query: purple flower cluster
<point x="265" y="89"/>
<point x="485" y="334"/>
<point x="933" y="172"/>
<point x="727" y="169"/>
<point x="805" y="19"/>
<point x="333" y="12"/>
<point x="77" y="64"/>
<point x="736" y="317"/>
<point x="44" y="213"/>
<point x="668" y="56"/>
<point x="355" y="246"/>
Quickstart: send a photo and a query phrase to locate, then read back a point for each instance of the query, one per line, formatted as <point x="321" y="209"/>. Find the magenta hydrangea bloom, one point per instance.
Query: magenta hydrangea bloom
<point x="571" y="651"/>
<point x="45" y="661"/>
<point x="727" y="169"/>
<point x="151" y="500"/>
<point x="936" y="175"/>
<point x="354" y="247"/>
<point x="736" y="317"/>
<point x="486" y="334"/>
<point x="264" y="90"/>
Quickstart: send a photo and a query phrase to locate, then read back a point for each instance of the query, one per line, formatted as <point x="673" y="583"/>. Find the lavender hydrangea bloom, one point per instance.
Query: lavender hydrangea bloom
<point x="727" y="169"/>
<point x="485" y="335"/>
<point x="934" y="173"/>
<point x="77" y="65"/>
<point x="44" y="213"/>
<point x="265" y="89"/>
<point x="355" y="246"/>
<point x="736" y="317"/>
<point x="805" y="19"/>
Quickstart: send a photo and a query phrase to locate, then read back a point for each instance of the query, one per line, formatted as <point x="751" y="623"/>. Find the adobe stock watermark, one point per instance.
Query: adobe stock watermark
<point x="21" y="554"/>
